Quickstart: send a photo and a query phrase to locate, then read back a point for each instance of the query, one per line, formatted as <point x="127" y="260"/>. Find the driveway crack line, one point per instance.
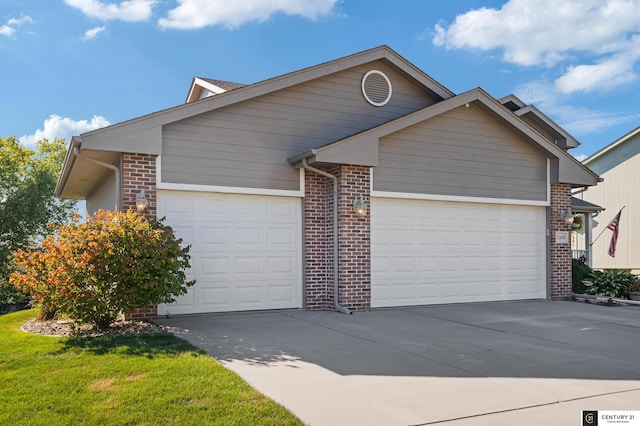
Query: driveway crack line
<point x="527" y="407"/>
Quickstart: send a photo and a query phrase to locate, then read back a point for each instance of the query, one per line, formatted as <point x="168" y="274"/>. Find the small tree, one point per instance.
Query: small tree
<point x="27" y="201"/>
<point x="115" y="262"/>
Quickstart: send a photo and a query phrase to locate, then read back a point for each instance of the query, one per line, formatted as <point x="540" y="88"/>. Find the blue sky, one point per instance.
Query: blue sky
<point x="69" y="66"/>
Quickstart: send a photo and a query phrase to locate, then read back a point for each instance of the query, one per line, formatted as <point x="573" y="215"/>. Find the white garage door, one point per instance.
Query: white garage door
<point x="429" y="252"/>
<point x="245" y="254"/>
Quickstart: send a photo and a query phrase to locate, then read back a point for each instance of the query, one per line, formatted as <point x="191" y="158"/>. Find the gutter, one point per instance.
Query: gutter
<point x="336" y="276"/>
<point x="76" y="151"/>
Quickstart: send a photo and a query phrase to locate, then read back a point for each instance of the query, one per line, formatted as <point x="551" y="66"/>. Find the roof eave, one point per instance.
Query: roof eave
<point x="620" y="141"/>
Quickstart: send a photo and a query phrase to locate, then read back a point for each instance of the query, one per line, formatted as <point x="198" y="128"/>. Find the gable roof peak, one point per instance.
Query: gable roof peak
<point x="202" y="87"/>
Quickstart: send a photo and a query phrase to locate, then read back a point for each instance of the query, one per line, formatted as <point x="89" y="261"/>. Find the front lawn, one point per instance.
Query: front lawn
<point x="147" y="379"/>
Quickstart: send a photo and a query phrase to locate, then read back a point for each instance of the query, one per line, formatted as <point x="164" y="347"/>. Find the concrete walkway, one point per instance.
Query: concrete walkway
<point x="525" y="363"/>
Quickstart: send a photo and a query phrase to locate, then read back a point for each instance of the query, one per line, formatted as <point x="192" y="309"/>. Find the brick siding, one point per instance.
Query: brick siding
<point x="138" y="173"/>
<point x="354" y="238"/>
<point x="560" y="274"/>
<point x="353" y="241"/>
<point x="318" y="242"/>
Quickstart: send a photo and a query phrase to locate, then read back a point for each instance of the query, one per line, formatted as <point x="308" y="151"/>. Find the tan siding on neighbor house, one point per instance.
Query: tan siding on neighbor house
<point x="619" y="188"/>
<point x="461" y="153"/>
<point x="247" y="144"/>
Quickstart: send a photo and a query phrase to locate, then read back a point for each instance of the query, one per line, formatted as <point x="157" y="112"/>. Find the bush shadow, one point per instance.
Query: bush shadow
<point x="148" y="345"/>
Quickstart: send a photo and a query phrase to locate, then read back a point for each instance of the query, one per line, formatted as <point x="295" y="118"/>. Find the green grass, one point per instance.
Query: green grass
<point x="149" y="379"/>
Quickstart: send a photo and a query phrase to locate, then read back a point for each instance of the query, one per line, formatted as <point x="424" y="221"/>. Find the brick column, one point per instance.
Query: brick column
<point x="138" y="173"/>
<point x="354" y="238"/>
<point x="560" y="274"/>
<point x="318" y="242"/>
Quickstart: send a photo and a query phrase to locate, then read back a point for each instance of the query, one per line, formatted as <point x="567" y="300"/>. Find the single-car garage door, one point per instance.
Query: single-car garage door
<point x="429" y="252"/>
<point x="245" y="254"/>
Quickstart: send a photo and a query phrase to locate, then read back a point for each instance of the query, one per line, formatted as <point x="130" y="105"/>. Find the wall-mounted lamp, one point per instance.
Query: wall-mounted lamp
<point x="567" y="216"/>
<point x="359" y="207"/>
<point x="141" y="202"/>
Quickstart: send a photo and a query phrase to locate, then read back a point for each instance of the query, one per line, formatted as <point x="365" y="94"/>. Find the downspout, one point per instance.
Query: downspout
<point x="76" y="151"/>
<point x="336" y="277"/>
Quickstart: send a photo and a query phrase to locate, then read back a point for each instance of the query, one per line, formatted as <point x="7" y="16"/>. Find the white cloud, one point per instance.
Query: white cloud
<point x="9" y="28"/>
<point x="93" y="32"/>
<point x="548" y="32"/>
<point x="63" y="127"/>
<point x="192" y="14"/>
<point x="605" y="75"/>
<point x="130" y="10"/>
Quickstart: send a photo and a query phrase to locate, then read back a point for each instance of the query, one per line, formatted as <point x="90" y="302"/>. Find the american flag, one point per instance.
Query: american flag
<point x="614" y="226"/>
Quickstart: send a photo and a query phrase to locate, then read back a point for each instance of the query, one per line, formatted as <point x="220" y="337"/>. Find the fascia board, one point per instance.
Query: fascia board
<point x="571" y="141"/>
<point x="67" y="166"/>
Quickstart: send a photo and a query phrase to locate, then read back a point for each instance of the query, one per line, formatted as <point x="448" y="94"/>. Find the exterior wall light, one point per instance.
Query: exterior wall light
<point x="141" y="202"/>
<point x="567" y="216"/>
<point x="359" y="207"/>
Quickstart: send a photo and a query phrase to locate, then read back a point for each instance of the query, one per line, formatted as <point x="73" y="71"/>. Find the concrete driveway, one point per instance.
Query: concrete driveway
<point x="525" y="363"/>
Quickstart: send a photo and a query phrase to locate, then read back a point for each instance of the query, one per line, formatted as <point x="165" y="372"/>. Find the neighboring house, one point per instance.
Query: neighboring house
<point x="581" y="239"/>
<point x="354" y="184"/>
<point x="619" y="165"/>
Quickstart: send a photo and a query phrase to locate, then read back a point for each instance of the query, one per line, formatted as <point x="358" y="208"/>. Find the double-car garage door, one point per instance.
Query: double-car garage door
<point x="247" y="251"/>
<point x="429" y="252"/>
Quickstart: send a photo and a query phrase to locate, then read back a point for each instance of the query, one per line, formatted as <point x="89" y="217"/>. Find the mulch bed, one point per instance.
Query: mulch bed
<point x="68" y="328"/>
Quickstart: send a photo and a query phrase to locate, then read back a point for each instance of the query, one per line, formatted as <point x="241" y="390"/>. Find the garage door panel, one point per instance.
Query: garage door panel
<point x="426" y="252"/>
<point x="245" y="250"/>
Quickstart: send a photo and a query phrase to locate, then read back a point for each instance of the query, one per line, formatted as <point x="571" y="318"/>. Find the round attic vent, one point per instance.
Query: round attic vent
<point x="376" y="88"/>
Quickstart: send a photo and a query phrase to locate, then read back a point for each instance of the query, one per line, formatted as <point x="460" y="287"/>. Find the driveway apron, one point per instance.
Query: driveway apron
<point x="526" y="363"/>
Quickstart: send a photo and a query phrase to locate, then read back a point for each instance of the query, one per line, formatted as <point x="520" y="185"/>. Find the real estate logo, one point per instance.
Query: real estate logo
<point x="589" y="418"/>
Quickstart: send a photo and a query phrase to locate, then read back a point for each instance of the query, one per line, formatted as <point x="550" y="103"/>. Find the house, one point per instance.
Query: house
<point x="582" y="238"/>
<point x="619" y="165"/>
<point x="353" y="184"/>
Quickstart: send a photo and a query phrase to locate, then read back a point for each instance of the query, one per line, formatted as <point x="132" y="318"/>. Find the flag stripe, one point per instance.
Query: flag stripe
<point x="614" y="226"/>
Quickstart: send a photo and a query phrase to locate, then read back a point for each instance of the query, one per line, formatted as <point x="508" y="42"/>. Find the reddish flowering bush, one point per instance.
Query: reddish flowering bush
<point x="115" y="262"/>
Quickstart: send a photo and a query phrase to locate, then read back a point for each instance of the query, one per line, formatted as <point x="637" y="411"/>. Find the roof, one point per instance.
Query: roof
<point x="145" y="132"/>
<point x="226" y="85"/>
<point x="582" y="206"/>
<point x="214" y="87"/>
<point x="536" y="117"/>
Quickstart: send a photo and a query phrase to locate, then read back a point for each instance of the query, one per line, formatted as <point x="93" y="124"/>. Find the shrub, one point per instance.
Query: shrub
<point x="115" y="262"/>
<point x="579" y="272"/>
<point x="610" y="282"/>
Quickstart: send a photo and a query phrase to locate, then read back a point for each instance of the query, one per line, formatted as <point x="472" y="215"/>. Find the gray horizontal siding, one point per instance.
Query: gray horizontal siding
<point x="247" y="144"/>
<point x="104" y="195"/>
<point x="461" y="153"/>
